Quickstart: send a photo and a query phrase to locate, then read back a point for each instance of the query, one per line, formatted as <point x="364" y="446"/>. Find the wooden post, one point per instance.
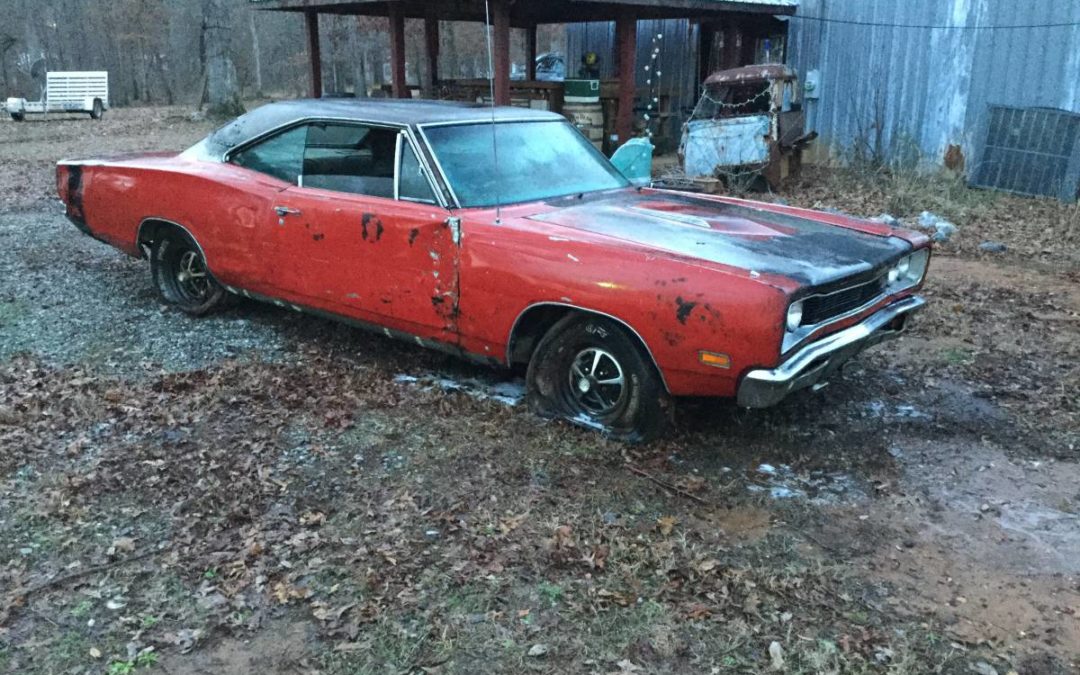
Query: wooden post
<point x="314" y="53"/>
<point x="431" y="39"/>
<point x="501" y="29"/>
<point x="732" y="54"/>
<point x="707" y="36"/>
<point x="626" y="43"/>
<point x="530" y="53"/>
<point x="398" y="85"/>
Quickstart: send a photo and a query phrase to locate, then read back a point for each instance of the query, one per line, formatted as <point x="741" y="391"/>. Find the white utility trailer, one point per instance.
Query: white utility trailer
<point x="66" y="92"/>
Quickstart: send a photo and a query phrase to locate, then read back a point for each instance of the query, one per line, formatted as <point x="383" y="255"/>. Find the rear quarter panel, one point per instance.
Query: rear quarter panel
<point x="226" y="209"/>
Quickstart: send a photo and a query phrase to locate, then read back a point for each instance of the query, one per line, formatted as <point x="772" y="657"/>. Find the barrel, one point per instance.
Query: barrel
<point x="589" y="118"/>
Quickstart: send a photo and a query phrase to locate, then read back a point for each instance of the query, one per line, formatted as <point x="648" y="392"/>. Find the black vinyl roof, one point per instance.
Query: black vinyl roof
<point x="410" y="113"/>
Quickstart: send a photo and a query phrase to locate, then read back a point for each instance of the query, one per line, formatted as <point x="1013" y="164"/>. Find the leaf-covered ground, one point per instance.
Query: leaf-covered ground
<point x="260" y="492"/>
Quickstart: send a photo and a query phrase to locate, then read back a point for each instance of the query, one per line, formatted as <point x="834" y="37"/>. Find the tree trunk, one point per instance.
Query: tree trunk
<point x="256" y="55"/>
<point x="222" y="84"/>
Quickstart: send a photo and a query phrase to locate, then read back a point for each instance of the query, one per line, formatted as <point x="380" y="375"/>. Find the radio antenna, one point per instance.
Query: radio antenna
<point x="494" y="135"/>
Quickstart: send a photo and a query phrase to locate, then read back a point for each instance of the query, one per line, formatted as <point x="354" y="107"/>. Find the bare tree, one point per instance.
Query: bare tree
<point x="222" y="93"/>
<point x="256" y="55"/>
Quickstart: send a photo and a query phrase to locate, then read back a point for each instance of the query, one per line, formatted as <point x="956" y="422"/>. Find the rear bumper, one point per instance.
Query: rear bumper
<point x="815" y="362"/>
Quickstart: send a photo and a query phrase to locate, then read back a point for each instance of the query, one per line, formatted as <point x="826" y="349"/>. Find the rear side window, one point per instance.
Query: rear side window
<point x="351" y="158"/>
<point x="281" y="156"/>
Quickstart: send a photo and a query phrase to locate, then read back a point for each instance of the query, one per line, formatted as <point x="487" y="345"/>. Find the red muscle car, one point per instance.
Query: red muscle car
<point x="505" y="237"/>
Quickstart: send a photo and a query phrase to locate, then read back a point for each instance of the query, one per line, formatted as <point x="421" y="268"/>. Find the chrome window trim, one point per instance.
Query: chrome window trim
<point x="403" y="139"/>
<point x="513" y="328"/>
<point x="397" y="167"/>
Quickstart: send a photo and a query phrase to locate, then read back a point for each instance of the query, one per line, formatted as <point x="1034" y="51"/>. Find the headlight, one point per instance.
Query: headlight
<point x="910" y="270"/>
<point x="794" y="316"/>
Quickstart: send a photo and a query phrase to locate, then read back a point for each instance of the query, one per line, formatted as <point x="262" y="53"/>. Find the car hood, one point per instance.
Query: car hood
<point x="739" y="235"/>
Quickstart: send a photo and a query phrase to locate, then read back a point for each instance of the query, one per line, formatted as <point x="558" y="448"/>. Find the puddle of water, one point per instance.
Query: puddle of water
<point x="882" y="409"/>
<point x="509" y="393"/>
<point x="780" y="481"/>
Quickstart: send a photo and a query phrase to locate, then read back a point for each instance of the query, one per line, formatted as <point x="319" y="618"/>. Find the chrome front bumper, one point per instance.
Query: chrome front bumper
<point x="815" y="362"/>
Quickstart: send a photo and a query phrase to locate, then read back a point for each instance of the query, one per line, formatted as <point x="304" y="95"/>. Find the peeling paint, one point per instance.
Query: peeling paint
<point x="684" y="309"/>
<point x="367" y="220"/>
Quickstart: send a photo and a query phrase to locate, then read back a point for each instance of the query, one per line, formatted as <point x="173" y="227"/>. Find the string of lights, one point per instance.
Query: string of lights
<point x="652" y="72"/>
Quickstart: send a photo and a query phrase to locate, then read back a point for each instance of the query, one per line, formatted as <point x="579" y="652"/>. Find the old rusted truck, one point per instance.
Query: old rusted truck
<point x="400" y="217"/>
<point x="749" y="126"/>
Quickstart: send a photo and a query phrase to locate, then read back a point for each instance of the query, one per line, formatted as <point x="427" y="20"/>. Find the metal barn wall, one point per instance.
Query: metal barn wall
<point x="928" y="87"/>
<point x="677" y="62"/>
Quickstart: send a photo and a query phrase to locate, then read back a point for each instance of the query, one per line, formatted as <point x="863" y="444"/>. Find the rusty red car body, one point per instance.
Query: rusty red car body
<point x="704" y="283"/>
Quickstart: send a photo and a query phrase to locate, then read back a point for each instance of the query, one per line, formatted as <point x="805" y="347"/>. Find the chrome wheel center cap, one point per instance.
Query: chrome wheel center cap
<point x="584" y="385"/>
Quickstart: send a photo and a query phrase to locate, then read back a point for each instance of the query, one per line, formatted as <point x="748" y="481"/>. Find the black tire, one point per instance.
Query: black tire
<point x="98" y="110"/>
<point x="569" y="374"/>
<point x="18" y="116"/>
<point x="181" y="276"/>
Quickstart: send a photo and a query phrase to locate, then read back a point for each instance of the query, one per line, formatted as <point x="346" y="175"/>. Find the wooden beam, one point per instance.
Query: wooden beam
<point x="626" y="45"/>
<point x="501" y="41"/>
<point x="311" y="19"/>
<point x="526" y="12"/>
<point x="398" y="85"/>
<point x="530" y="53"/>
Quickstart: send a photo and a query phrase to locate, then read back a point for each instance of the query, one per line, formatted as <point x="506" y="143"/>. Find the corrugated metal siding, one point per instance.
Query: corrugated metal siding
<point x="677" y="62"/>
<point x="924" y="89"/>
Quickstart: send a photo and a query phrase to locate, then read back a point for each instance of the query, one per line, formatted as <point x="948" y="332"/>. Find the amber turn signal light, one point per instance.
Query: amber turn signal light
<point x="714" y="359"/>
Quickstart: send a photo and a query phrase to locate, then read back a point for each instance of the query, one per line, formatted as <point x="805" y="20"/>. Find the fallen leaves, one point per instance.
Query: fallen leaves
<point x="666" y="524"/>
<point x="285" y="592"/>
<point x="538" y="649"/>
<point x="776" y="656"/>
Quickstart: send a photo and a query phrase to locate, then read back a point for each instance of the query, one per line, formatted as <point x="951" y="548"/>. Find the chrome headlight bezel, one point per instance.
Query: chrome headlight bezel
<point x="793" y="318"/>
<point x="909" y="271"/>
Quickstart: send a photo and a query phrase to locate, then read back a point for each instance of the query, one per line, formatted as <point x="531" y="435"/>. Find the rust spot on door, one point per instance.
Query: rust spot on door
<point x="684" y="309"/>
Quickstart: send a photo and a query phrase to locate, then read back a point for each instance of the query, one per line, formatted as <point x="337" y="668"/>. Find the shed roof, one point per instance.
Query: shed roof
<point x="530" y="12"/>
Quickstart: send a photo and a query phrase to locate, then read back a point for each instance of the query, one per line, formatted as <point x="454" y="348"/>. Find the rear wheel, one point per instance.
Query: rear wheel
<point x="593" y="372"/>
<point x="98" y="111"/>
<point x="181" y="276"/>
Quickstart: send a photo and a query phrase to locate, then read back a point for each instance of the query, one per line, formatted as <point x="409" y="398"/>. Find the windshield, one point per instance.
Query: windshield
<point x="537" y="160"/>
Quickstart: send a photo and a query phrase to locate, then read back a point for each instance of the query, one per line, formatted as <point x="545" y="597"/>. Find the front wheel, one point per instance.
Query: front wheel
<point x="18" y="116"/>
<point x="181" y="276"/>
<point x="98" y="111"/>
<point x="593" y="372"/>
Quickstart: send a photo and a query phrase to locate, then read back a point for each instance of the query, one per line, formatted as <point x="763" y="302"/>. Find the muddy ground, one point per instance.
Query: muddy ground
<point x="263" y="492"/>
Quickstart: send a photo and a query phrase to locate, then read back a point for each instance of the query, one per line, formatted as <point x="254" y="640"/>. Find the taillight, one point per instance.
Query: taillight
<point x="62" y="182"/>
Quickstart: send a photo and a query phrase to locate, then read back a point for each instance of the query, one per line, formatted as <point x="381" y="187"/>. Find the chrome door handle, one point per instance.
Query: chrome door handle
<point x="283" y="211"/>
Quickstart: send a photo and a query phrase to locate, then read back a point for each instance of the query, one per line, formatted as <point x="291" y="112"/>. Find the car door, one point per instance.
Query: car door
<point x="363" y="234"/>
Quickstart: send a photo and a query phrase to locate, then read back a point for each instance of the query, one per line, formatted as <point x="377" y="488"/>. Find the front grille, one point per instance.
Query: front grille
<point x="820" y="308"/>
